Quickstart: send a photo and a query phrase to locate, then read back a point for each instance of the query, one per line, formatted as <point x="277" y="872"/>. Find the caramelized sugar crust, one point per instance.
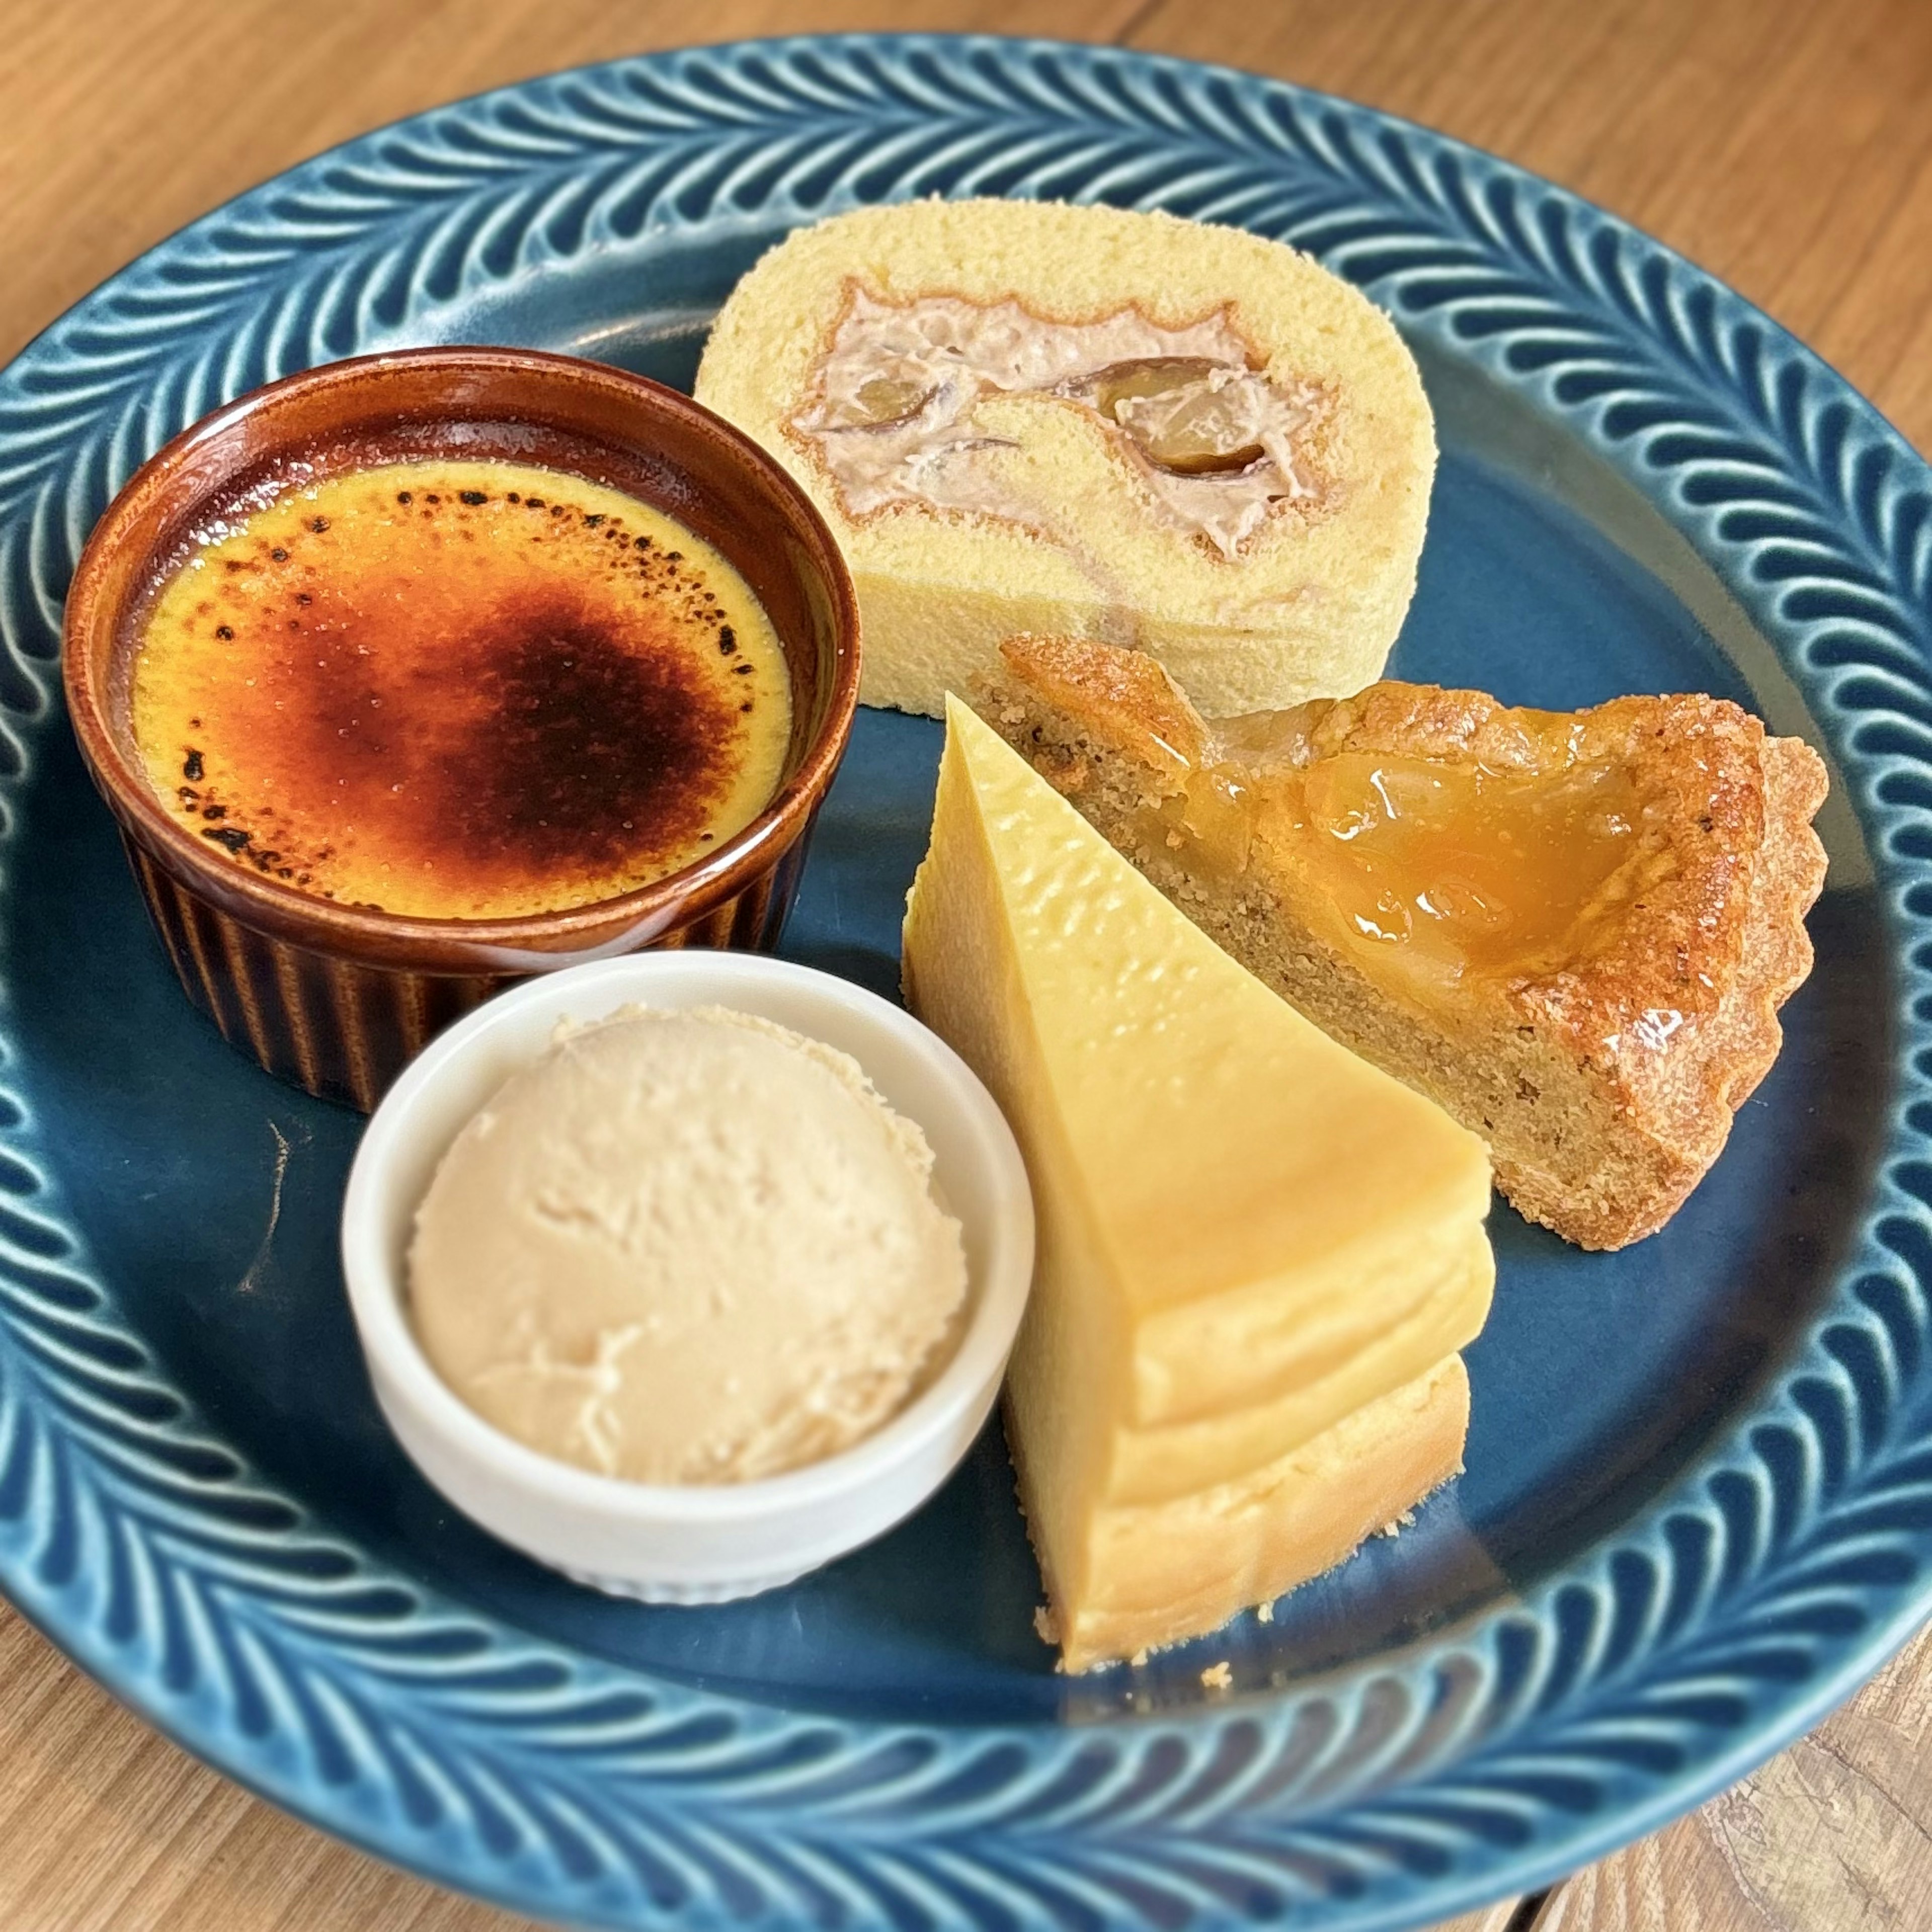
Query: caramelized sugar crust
<point x="456" y="689"/>
<point x="1628" y="886"/>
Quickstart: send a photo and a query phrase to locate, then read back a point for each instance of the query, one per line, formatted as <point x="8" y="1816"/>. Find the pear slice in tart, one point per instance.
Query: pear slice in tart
<point x="1572" y="931"/>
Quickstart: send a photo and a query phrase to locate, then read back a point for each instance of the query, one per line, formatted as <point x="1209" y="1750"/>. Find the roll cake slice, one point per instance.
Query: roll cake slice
<point x="1025" y="416"/>
<point x="1572" y="931"/>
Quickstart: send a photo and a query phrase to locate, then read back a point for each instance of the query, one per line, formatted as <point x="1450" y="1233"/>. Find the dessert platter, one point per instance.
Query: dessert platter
<point x="596" y="969"/>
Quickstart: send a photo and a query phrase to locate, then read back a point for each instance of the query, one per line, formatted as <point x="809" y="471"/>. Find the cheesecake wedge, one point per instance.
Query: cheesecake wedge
<point x="1257" y="1254"/>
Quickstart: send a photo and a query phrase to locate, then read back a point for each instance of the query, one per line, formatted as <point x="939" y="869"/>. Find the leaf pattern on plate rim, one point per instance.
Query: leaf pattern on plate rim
<point x="1776" y="1572"/>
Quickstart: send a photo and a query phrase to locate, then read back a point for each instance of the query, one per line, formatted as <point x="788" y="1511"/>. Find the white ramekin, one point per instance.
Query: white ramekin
<point x="699" y="1544"/>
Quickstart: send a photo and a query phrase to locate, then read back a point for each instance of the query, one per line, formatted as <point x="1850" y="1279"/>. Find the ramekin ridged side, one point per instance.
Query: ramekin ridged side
<point x="342" y="1031"/>
<point x="338" y="998"/>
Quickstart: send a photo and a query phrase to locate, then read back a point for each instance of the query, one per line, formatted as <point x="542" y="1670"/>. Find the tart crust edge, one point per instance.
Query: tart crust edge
<point x="1721" y="938"/>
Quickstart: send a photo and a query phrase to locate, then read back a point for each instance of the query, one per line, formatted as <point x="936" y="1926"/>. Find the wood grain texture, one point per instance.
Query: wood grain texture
<point x="1786" y="146"/>
<point x="1506" y="1917"/>
<point x="1834" y="1835"/>
<point x="106" y="1827"/>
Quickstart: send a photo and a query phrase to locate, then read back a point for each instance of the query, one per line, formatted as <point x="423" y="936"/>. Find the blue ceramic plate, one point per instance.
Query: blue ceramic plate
<point x="1699" y="1502"/>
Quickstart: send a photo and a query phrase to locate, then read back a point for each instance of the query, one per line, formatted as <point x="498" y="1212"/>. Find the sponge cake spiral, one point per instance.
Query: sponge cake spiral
<point x="1029" y="416"/>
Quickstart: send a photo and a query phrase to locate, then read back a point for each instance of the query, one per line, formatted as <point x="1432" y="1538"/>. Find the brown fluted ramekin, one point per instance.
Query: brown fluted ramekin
<point x="336" y="998"/>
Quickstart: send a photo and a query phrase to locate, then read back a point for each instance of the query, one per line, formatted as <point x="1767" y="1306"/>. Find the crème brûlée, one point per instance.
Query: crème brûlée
<point x="455" y="688"/>
<point x="1572" y="930"/>
<point x="1257" y="1254"/>
<point x="1020" y="414"/>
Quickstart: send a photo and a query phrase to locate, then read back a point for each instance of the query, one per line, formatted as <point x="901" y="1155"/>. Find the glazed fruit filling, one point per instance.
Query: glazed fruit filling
<point x="1432" y="870"/>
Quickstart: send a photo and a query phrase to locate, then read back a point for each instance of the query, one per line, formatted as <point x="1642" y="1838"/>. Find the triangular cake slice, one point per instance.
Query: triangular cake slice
<point x="1257" y="1254"/>
<point x="1572" y="930"/>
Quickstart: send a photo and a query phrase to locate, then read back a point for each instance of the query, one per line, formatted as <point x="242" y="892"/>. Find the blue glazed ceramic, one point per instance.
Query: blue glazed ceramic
<point x="1698" y="1507"/>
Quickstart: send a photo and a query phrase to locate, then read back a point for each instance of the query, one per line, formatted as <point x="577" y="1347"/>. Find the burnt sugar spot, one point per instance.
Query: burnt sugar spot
<point x="596" y="743"/>
<point x="531" y="740"/>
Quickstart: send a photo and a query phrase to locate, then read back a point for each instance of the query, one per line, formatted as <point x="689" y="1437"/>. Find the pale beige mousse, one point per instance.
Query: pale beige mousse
<point x="687" y="1247"/>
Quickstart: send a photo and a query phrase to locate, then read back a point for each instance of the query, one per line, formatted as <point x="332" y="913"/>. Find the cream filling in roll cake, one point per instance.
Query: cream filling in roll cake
<point x="1023" y="415"/>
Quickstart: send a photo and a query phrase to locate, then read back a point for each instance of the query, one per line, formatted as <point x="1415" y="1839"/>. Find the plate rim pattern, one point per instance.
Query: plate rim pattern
<point x="1781" y="1566"/>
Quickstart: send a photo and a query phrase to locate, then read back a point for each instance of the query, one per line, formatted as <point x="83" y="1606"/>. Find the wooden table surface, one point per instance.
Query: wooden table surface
<point x="1787" y="144"/>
